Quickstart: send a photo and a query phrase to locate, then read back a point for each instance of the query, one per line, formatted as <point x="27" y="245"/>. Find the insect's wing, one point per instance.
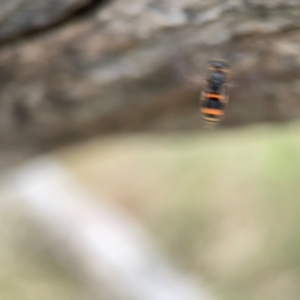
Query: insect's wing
<point x="187" y="71"/>
<point x="226" y="93"/>
<point x="203" y="90"/>
<point x="232" y="84"/>
<point x="184" y="70"/>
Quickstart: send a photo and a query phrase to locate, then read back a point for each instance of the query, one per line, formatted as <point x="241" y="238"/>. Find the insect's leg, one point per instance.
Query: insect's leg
<point x="227" y="87"/>
<point x="196" y="79"/>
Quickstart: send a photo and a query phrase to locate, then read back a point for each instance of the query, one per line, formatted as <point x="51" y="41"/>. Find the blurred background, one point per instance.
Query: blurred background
<point x="107" y="90"/>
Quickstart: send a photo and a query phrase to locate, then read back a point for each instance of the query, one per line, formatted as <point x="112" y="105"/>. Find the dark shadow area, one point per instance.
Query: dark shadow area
<point x="78" y="14"/>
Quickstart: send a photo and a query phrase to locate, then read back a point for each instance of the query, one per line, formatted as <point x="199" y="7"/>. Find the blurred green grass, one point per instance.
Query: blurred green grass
<point x="223" y="204"/>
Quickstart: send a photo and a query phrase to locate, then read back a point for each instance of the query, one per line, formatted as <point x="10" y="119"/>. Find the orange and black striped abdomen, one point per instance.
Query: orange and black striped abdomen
<point x="212" y="110"/>
<point x="214" y="96"/>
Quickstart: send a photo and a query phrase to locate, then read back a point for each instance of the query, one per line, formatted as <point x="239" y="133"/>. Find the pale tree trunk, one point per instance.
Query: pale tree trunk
<point x="107" y="247"/>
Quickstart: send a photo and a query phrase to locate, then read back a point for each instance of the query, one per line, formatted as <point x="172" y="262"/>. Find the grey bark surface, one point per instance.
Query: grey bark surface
<point x="20" y="16"/>
<point x="124" y="66"/>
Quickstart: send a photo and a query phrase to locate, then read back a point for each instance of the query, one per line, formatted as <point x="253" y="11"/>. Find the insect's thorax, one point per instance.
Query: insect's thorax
<point x="216" y="82"/>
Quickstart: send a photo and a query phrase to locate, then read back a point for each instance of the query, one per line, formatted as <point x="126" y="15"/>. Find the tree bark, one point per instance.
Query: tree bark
<point x="124" y="66"/>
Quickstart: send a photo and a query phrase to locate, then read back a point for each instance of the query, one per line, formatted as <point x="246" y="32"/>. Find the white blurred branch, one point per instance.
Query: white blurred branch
<point x="103" y="241"/>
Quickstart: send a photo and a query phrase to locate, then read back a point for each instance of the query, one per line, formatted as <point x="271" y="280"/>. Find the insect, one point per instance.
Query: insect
<point x="215" y="92"/>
